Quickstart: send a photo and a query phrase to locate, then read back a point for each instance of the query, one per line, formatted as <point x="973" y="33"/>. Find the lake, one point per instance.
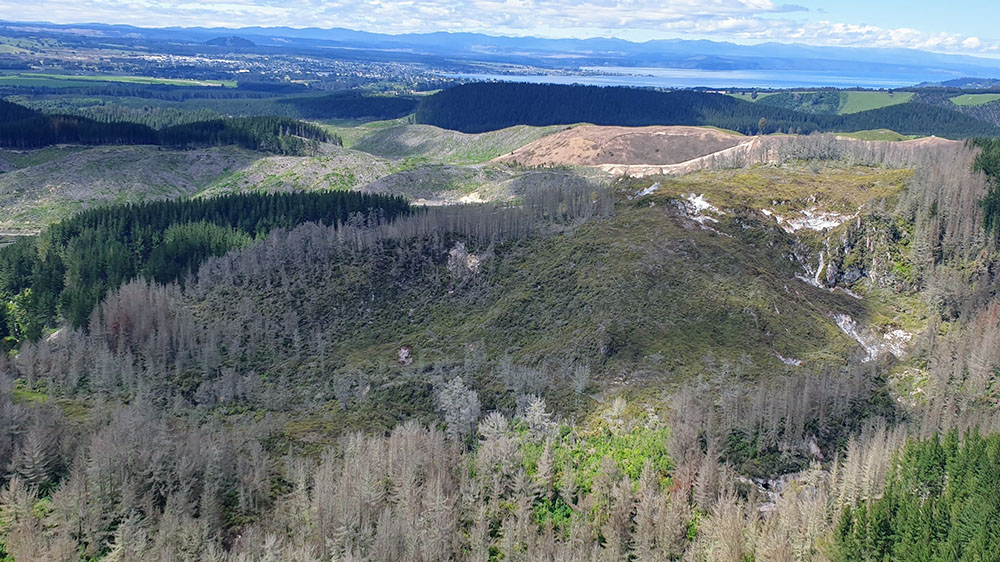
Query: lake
<point x="692" y="78"/>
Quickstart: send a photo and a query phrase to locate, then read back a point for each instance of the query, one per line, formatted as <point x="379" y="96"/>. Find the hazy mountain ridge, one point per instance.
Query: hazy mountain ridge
<point x="679" y="53"/>
<point x="965" y="83"/>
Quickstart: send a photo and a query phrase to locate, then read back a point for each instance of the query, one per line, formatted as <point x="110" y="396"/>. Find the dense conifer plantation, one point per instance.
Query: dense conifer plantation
<point x="279" y="135"/>
<point x="160" y="114"/>
<point x="350" y="105"/>
<point x="479" y="107"/>
<point x="942" y="502"/>
<point x="67" y="269"/>
<point x="988" y="162"/>
<point x="21" y="127"/>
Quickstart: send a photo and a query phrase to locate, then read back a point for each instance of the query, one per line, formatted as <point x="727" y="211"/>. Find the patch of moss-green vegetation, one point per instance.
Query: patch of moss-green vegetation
<point x="28" y="158"/>
<point x="967" y="100"/>
<point x="569" y="463"/>
<point x="352" y="132"/>
<point x="391" y="401"/>
<point x="721" y="130"/>
<point x="878" y="135"/>
<point x="339" y="170"/>
<point x="582" y="453"/>
<point x="648" y="293"/>
<point x="890" y="310"/>
<point x="857" y="102"/>
<point x="24" y="392"/>
<point x="794" y="186"/>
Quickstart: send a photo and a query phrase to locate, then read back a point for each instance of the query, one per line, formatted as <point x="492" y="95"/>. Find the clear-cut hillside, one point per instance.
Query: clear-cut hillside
<point x="591" y="145"/>
<point x="46" y="185"/>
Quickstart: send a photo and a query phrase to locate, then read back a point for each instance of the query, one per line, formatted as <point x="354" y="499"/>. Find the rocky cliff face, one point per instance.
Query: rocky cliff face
<point x="870" y="249"/>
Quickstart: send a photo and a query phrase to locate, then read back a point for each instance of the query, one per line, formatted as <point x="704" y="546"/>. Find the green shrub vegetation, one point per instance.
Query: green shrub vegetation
<point x="575" y="458"/>
<point x="878" y="135"/>
<point x="583" y="452"/>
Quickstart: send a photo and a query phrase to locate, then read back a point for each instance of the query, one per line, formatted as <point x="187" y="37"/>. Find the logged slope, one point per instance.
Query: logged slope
<point x="594" y="145"/>
<point x="336" y="168"/>
<point x="440" y="184"/>
<point x="54" y="183"/>
<point x="776" y="150"/>
<point x="646" y="151"/>
<point x="442" y="145"/>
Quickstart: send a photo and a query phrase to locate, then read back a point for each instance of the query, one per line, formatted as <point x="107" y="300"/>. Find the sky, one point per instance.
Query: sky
<point x="932" y="25"/>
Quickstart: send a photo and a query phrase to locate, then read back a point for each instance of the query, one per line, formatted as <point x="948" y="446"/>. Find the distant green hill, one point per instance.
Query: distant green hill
<point x="839" y="102"/>
<point x="975" y="99"/>
<point x="855" y="102"/>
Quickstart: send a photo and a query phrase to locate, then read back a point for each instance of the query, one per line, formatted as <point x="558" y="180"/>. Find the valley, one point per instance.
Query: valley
<point x="286" y="297"/>
<point x="608" y="299"/>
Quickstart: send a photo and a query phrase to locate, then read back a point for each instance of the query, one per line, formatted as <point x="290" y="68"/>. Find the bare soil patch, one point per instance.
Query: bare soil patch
<point x="592" y="145"/>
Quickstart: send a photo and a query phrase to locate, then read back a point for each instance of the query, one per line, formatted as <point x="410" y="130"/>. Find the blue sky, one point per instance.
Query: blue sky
<point x="967" y="17"/>
<point x="965" y="26"/>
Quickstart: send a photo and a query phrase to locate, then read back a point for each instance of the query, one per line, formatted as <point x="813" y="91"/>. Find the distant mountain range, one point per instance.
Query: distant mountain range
<point x="557" y="53"/>
<point x="964" y="83"/>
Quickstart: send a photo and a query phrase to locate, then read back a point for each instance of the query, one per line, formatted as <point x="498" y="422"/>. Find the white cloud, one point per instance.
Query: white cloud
<point x="744" y="20"/>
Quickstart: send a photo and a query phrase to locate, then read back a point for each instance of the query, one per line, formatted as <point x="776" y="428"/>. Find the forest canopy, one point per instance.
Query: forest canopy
<point x="942" y="502"/>
<point x="21" y="128"/>
<point x="66" y="270"/>
<point x="480" y="107"/>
